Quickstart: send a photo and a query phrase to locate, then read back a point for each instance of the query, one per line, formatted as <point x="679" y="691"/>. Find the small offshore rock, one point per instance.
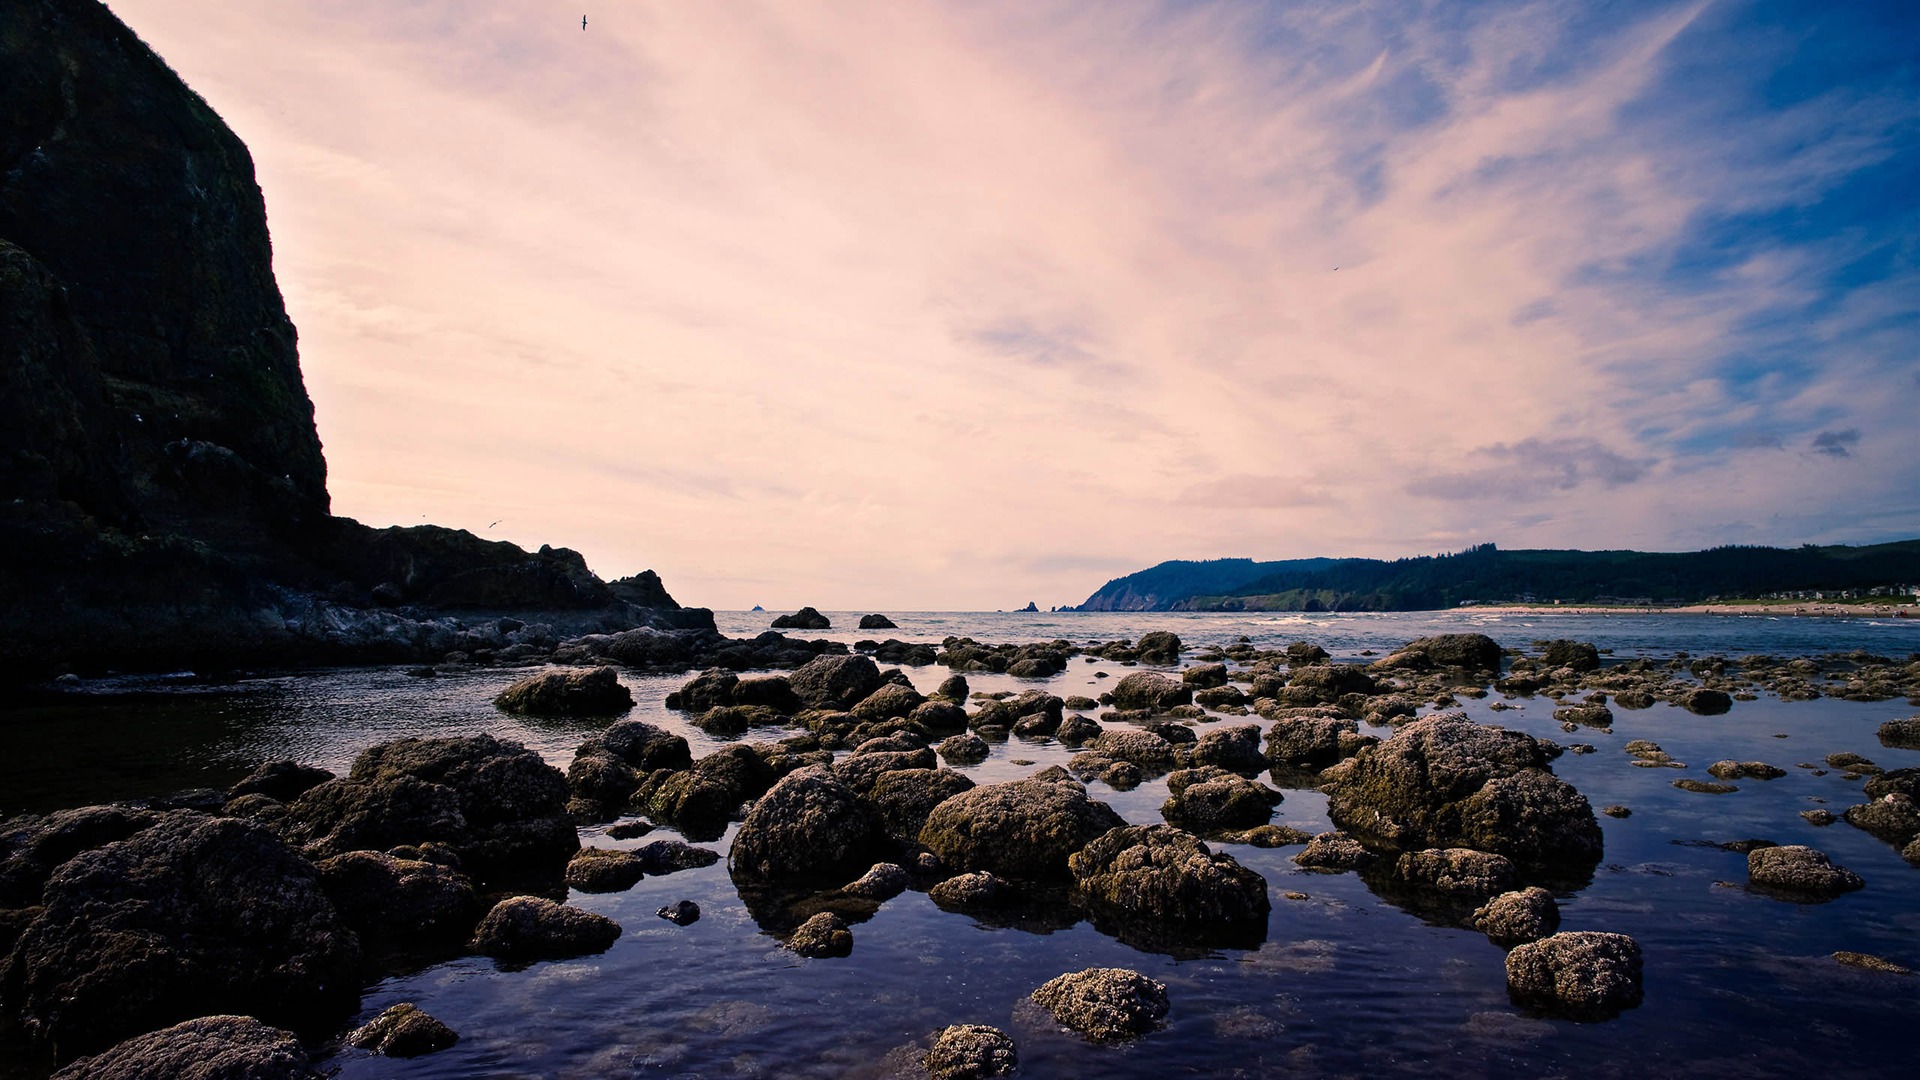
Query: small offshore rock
<point x="1706" y="702"/>
<point x="821" y="936"/>
<point x="603" y="870"/>
<point x="1515" y="917"/>
<point x="1581" y="973"/>
<point x="1871" y="963"/>
<point x="207" y="1048"/>
<point x="680" y="913"/>
<point x="1457" y="871"/>
<point x="1746" y="770"/>
<point x="1819" y="817"/>
<point x="671" y="856"/>
<point x="630" y="830"/>
<point x="804" y="619"/>
<point x="1901" y="734"/>
<point x="977" y="889"/>
<point x="403" y="1031"/>
<point x="967" y="749"/>
<point x="523" y="928"/>
<point x="884" y="882"/>
<point x="1799" y="871"/>
<point x="1105" y="1004"/>
<point x="1333" y="851"/>
<point x="1616" y="811"/>
<point x="592" y="692"/>
<point x="1704" y="787"/>
<point x="877" y="622"/>
<point x="970" y="1052"/>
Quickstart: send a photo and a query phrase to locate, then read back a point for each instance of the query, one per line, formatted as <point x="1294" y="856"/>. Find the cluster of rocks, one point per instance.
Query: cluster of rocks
<point x="280" y="900"/>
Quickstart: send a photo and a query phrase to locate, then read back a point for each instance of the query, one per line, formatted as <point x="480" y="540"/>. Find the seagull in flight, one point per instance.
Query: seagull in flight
<point x="583" y="22"/>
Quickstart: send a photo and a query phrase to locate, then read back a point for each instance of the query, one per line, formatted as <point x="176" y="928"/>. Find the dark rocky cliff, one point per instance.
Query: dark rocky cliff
<point x="163" y="495"/>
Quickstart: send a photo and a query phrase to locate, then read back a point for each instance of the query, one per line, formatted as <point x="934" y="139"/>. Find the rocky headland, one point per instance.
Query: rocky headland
<point x="163" y="499"/>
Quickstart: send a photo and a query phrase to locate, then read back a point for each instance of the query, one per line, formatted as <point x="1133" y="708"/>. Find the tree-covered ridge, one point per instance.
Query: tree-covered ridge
<point x="1486" y="574"/>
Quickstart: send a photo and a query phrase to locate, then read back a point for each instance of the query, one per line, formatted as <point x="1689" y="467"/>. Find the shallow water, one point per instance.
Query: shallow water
<point x="1345" y="984"/>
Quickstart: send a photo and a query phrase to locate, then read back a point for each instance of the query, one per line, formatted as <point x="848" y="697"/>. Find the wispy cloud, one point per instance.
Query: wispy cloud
<point x="896" y="303"/>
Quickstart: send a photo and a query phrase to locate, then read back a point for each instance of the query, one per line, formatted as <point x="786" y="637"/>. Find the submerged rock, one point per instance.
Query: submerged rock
<point x="1020" y="829"/>
<point x="1799" y="872"/>
<point x="592" y="692"/>
<point x="970" y="1052"/>
<point x="205" y="1048"/>
<point x="192" y="916"/>
<point x="526" y="928"/>
<point x="1105" y="1004"/>
<point x="403" y="1031"/>
<point x="1579" y="974"/>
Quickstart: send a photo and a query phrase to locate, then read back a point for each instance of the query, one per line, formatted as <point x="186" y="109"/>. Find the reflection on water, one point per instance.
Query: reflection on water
<point x="1345" y="983"/>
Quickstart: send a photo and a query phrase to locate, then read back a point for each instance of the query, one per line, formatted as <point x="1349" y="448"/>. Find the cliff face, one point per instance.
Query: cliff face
<point x="140" y="207"/>
<point x="163" y="496"/>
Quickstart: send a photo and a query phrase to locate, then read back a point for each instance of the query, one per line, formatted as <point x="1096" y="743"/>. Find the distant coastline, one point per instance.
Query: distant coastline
<point x="1807" y="608"/>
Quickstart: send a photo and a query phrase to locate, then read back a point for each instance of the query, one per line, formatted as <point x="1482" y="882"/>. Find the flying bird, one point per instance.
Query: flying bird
<point x="583" y="22"/>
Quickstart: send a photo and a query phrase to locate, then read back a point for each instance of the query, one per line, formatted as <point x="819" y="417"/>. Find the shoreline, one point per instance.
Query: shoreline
<point x="1815" y="609"/>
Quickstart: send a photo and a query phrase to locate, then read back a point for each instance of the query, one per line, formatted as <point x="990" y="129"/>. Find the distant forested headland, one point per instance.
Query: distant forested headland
<point x="1485" y="574"/>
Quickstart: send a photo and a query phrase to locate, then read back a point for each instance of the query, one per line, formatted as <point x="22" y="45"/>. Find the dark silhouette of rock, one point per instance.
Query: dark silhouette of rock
<point x="1706" y="701"/>
<point x="680" y="913"/>
<point x="804" y="619"/>
<point x="282" y="780"/>
<point x="877" y="622"/>
<point x="497" y="804"/>
<point x="1581" y="974"/>
<point x="526" y="928"/>
<point x="34" y="846"/>
<point x="191" y="916"/>
<point x="1020" y="829"/>
<point x="400" y="904"/>
<point x="672" y="856"/>
<point x="204" y="1048"/>
<point x="1105" y="1004"/>
<point x="403" y="1031"/>
<point x="970" y="1052"/>
<point x="163" y="495"/>
<point x="593" y="692"/>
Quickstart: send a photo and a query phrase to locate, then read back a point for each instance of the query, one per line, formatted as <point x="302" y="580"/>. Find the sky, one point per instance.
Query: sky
<point x="925" y="306"/>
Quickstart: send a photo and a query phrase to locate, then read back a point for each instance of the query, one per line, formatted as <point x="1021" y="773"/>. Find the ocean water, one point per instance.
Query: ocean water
<point x="1345" y="984"/>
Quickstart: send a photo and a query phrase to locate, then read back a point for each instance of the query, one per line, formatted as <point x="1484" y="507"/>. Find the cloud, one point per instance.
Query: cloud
<point x="1532" y="468"/>
<point x="807" y="303"/>
<point x="1837" y="444"/>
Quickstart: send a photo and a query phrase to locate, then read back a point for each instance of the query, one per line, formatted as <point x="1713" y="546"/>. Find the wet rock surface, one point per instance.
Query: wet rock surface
<point x="592" y="692"/>
<point x="1445" y="781"/>
<point x="522" y="929"/>
<point x="1579" y="974"/>
<point x="221" y="1047"/>
<point x="970" y="1052"/>
<point x="403" y="904"/>
<point x="822" y="936"/>
<point x="1105" y="1004"/>
<point x="191" y="916"/>
<point x="1020" y="829"/>
<point x="1515" y="917"/>
<point x="1800" y="872"/>
<point x="808" y="827"/>
<point x="403" y="1031"/>
<point x="1157" y="886"/>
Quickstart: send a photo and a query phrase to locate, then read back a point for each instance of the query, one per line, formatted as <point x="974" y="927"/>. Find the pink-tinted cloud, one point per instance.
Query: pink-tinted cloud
<point x="915" y="305"/>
